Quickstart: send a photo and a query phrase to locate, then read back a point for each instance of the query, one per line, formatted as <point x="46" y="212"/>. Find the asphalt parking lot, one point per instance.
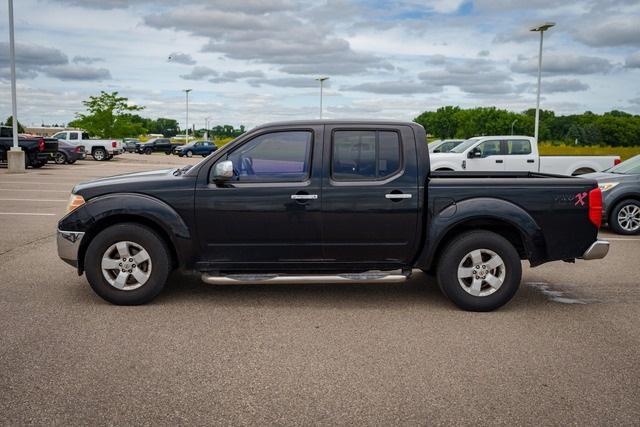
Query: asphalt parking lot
<point x="565" y="350"/>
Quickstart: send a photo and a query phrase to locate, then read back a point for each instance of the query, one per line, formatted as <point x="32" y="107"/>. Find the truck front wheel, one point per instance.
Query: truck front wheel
<point x="479" y="271"/>
<point x="127" y="264"/>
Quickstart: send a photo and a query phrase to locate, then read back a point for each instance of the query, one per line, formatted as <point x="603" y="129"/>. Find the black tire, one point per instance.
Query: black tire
<point x="38" y="164"/>
<point x="620" y="226"/>
<point x="146" y="238"/>
<point x="148" y="151"/>
<point x="458" y="250"/>
<point x="167" y="152"/>
<point x="189" y="153"/>
<point x="99" y="154"/>
<point x="60" y="158"/>
<point x="71" y="162"/>
<point x="109" y="157"/>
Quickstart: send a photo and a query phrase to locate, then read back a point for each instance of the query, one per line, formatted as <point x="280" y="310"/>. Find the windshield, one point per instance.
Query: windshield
<point x="631" y="166"/>
<point x="466" y="144"/>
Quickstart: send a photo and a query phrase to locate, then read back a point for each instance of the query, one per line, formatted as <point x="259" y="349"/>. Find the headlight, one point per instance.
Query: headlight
<point x="75" y="201"/>
<point x="607" y="186"/>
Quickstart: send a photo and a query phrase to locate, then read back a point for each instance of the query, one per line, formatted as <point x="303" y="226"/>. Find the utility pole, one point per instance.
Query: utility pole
<point x="321" y="80"/>
<point x="186" y="91"/>
<point x="541" y="29"/>
<point x="513" y="124"/>
<point x="15" y="156"/>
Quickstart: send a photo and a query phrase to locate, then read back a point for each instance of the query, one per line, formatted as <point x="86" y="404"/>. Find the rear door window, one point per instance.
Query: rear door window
<point x="518" y="147"/>
<point x="73" y="136"/>
<point x="364" y="155"/>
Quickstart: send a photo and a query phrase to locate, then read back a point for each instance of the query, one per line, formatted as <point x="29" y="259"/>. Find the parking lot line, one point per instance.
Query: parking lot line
<point x="28" y="213"/>
<point x="33" y="200"/>
<point x="31" y="189"/>
<point x="40" y="182"/>
<point x="623" y="239"/>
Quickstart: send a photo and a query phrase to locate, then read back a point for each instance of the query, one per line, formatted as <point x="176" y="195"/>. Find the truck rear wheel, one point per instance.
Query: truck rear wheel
<point x="479" y="271"/>
<point x="99" y="154"/>
<point x="127" y="264"/>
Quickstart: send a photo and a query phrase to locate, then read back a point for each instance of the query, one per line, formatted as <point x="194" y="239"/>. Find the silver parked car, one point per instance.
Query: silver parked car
<point x="620" y="186"/>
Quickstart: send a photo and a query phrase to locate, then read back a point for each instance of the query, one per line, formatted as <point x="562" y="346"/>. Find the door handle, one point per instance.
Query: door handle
<point x="499" y="161"/>
<point x="531" y="161"/>
<point x="304" y="196"/>
<point x="397" y="196"/>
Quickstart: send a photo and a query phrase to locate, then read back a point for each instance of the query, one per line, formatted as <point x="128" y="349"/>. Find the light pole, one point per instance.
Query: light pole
<point x="513" y="124"/>
<point x="321" y="80"/>
<point x="541" y="29"/>
<point x="15" y="156"/>
<point x="186" y="91"/>
<point x="206" y="127"/>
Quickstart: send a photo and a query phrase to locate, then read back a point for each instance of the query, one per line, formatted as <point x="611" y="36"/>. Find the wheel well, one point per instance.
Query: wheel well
<point x="119" y="219"/>
<point x="95" y="148"/>
<point x="444" y="170"/>
<point x="582" y="171"/>
<point x="508" y="231"/>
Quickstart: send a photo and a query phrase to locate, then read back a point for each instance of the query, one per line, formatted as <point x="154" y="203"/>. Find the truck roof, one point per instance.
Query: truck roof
<point x="366" y="122"/>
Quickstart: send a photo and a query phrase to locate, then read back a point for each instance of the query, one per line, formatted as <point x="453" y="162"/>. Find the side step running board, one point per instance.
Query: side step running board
<point x="274" y="279"/>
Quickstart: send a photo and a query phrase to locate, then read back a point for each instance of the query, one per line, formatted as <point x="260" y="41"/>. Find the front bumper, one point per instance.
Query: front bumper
<point x="69" y="246"/>
<point x="598" y="249"/>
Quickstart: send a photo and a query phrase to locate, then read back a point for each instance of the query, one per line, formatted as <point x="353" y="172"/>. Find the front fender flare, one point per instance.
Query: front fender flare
<point x="484" y="208"/>
<point x="130" y="206"/>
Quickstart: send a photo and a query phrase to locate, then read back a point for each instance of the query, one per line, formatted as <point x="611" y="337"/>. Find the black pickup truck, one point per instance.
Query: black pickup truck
<point x="37" y="149"/>
<point x="160" y="145"/>
<point x="327" y="202"/>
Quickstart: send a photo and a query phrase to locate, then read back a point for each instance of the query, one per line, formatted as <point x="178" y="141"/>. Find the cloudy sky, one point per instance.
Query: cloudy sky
<point x="253" y="61"/>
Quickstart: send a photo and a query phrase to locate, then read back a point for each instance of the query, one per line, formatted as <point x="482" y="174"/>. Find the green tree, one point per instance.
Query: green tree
<point x="9" y="122"/>
<point x="108" y="116"/>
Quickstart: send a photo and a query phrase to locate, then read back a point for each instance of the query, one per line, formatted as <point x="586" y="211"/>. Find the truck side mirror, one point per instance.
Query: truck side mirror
<point x="223" y="171"/>
<point x="474" y="153"/>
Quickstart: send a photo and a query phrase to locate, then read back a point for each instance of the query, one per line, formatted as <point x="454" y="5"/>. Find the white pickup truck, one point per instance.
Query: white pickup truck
<point x="100" y="149"/>
<point x="514" y="153"/>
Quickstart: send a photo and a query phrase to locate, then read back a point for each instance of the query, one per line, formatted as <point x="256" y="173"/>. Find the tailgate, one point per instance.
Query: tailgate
<point x="50" y="145"/>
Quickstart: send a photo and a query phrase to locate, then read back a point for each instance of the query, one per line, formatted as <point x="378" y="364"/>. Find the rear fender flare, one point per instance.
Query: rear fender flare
<point x="485" y="208"/>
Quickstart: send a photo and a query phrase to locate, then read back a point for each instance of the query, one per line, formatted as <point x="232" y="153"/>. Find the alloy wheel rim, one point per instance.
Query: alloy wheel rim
<point x="481" y="272"/>
<point x="98" y="155"/>
<point x="59" y="158"/>
<point x="126" y="265"/>
<point x="629" y="218"/>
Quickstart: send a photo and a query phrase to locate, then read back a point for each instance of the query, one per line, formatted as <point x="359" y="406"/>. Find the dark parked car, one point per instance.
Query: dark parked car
<point x="327" y="202"/>
<point x="163" y="145"/>
<point x="68" y="153"/>
<point x="129" y="145"/>
<point x="202" y="148"/>
<point x="37" y="149"/>
<point x="620" y="187"/>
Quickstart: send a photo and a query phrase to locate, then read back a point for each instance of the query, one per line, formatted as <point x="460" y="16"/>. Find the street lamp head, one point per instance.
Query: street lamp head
<point x="187" y="90"/>
<point x="543" y="27"/>
<point x="321" y="79"/>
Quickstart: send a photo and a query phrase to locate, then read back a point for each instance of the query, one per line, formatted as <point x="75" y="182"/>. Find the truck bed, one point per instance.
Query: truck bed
<point x="554" y="202"/>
